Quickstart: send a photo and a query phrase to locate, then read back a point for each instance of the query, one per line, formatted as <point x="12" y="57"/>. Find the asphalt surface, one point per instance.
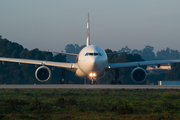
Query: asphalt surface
<point x="75" y="86"/>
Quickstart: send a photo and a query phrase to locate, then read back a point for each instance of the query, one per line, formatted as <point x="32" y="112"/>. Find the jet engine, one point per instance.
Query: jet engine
<point x="138" y="75"/>
<point x="43" y="73"/>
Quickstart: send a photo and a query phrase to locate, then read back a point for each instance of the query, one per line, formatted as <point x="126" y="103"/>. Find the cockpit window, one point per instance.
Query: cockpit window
<point x="99" y="54"/>
<point x="93" y="54"/>
<point x="86" y="54"/>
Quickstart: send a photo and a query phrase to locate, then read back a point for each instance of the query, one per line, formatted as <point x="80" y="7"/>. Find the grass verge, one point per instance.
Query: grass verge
<point x="80" y="104"/>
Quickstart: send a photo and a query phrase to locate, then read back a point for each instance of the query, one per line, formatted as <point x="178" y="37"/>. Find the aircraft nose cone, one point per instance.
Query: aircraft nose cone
<point x="95" y="65"/>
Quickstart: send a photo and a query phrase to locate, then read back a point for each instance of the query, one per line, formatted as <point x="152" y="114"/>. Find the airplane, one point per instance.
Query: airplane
<point x="92" y="62"/>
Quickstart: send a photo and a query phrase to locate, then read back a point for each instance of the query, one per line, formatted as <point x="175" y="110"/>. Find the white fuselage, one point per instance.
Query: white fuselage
<point x="92" y="61"/>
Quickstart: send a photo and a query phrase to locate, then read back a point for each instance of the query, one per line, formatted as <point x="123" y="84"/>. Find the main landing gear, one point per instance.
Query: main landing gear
<point x="115" y="73"/>
<point x="63" y="76"/>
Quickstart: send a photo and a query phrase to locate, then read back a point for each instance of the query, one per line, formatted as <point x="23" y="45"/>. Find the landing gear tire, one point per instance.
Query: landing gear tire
<point x="92" y="82"/>
<point x="66" y="82"/>
<point x="113" y="82"/>
<point x="61" y="82"/>
<point x="119" y="82"/>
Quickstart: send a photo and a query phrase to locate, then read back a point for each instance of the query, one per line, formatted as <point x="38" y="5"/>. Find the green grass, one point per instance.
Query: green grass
<point x="82" y="104"/>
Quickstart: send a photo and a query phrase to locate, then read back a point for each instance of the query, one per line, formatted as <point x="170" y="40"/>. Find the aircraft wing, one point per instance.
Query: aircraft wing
<point x="140" y="63"/>
<point x="41" y="62"/>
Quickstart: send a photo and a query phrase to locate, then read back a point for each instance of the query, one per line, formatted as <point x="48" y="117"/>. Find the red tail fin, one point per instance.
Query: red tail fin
<point x="88" y="32"/>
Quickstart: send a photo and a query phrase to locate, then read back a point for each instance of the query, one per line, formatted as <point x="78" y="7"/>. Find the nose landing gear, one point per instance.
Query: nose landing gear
<point x="92" y="81"/>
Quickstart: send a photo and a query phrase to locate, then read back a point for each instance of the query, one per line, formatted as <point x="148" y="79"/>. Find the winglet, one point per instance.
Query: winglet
<point x="88" y="31"/>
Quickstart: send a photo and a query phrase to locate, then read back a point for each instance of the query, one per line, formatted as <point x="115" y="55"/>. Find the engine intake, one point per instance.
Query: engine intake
<point x="138" y="75"/>
<point x="43" y="74"/>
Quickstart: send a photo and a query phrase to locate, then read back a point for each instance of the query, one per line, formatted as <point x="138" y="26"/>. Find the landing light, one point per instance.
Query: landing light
<point x="72" y="66"/>
<point x="92" y="75"/>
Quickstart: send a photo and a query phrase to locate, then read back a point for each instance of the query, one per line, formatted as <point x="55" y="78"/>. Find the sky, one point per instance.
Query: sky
<point x="52" y="24"/>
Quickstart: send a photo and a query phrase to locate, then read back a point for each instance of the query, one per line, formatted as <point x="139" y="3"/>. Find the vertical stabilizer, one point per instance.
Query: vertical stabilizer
<point x="88" y="31"/>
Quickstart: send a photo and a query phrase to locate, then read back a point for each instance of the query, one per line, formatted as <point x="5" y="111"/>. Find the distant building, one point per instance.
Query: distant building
<point x="162" y="69"/>
<point x="149" y="68"/>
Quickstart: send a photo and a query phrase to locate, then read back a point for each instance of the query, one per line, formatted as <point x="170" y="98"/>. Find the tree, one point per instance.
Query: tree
<point x="126" y="49"/>
<point x="111" y="56"/>
<point x="70" y="48"/>
<point x="135" y="51"/>
<point x="148" y="54"/>
<point x="174" y="73"/>
<point x="168" y="54"/>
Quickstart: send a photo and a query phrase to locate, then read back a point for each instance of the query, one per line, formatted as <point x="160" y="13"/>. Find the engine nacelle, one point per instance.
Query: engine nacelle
<point x="43" y="73"/>
<point x="138" y="75"/>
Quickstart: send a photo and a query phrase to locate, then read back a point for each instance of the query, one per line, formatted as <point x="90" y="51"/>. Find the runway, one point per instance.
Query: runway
<point x="78" y="86"/>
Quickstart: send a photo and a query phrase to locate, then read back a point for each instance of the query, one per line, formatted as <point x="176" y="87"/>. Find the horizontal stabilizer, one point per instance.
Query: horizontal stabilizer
<point x="116" y="53"/>
<point x="73" y="54"/>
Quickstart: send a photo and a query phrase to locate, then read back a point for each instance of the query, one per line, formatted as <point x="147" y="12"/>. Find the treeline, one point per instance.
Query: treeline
<point x="14" y="73"/>
<point x="147" y="53"/>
